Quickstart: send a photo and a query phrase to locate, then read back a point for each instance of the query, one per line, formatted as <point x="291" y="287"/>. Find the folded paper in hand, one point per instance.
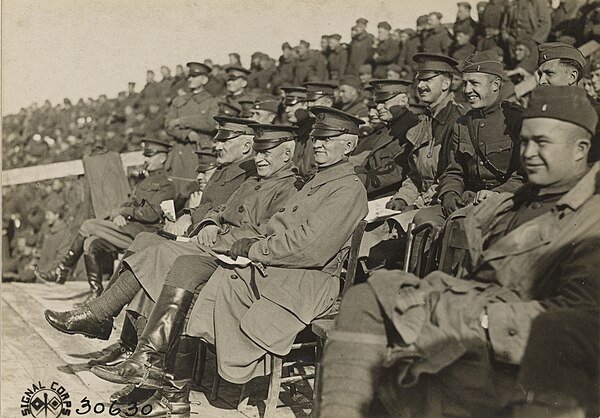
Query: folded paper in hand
<point x="378" y="211"/>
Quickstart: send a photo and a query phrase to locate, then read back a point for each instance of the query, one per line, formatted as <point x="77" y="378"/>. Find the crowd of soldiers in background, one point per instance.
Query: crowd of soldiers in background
<point x="46" y="134"/>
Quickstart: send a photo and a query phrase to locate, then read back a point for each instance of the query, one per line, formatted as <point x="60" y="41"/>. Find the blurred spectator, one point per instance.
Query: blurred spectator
<point x="490" y="21"/>
<point x="591" y="24"/>
<point x="360" y="49"/>
<point x="436" y="38"/>
<point x="525" y="19"/>
<point x="310" y="65"/>
<point x="338" y="58"/>
<point x="409" y="46"/>
<point x="462" y="47"/>
<point x="386" y="51"/>
<point x="565" y="19"/>
<point x="365" y="74"/>
<point x="234" y="59"/>
<point x="394" y="72"/>
<point x="150" y="90"/>
<point x="464" y="20"/>
<point x="351" y="100"/>
<point x="179" y="82"/>
<point x="325" y="47"/>
<point x="285" y="67"/>
<point x="164" y="85"/>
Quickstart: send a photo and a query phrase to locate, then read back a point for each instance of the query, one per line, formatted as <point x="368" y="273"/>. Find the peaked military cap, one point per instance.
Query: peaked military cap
<point x="294" y="95"/>
<point x="206" y="160"/>
<point x="384" y="25"/>
<point x="236" y="71"/>
<point x="566" y="103"/>
<point x="430" y="65"/>
<point x="351" y="80"/>
<point x="315" y="90"/>
<point x="153" y="146"/>
<point x="197" y="68"/>
<point x="557" y="50"/>
<point x="229" y="109"/>
<point x="267" y="102"/>
<point x="267" y="136"/>
<point x="54" y="203"/>
<point x="488" y="62"/>
<point x="332" y="122"/>
<point x="384" y="90"/>
<point x="230" y="128"/>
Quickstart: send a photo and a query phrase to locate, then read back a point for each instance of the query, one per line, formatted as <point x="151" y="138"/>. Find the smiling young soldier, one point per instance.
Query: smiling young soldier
<point x="483" y="154"/>
<point x="532" y="251"/>
<point x="245" y="214"/>
<point x="431" y="138"/>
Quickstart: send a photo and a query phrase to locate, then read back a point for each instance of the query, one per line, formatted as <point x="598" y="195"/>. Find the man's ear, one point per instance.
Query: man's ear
<point x="247" y="147"/>
<point x="582" y="148"/>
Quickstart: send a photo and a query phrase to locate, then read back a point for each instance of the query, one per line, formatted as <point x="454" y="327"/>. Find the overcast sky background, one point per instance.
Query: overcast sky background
<point x="53" y="49"/>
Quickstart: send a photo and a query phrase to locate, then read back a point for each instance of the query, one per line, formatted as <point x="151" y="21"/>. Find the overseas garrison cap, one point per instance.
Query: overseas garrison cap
<point x="465" y="4"/>
<point x="386" y="89"/>
<point x="488" y="62"/>
<point x="229" y="109"/>
<point x="153" y="146"/>
<point x="316" y="90"/>
<point x="422" y="20"/>
<point x="436" y="14"/>
<point x="332" y="122"/>
<point x="267" y="102"/>
<point x="566" y="103"/>
<point x="362" y="21"/>
<point x="230" y="128"/>
<point x="430" y="65"/>
<point x="197" y="68"/>
<point x="557" y="50"/>
<point x="267" y="136"/>
<point x="294" y="95"/>
<point x="236" y="71"/>
<point x="336" y="36"/>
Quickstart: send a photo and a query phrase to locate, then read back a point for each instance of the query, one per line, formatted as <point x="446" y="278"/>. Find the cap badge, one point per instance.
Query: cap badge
<point x="259" y="131"/>
<point x="544" y="107"/>
<point x="321" y="116"/>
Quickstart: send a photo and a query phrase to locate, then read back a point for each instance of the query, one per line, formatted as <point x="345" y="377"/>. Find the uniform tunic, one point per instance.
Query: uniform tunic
<point x="337" y="63"/>
<point x="248" y="315"/>
<point x="142" y="212"/>
<point x="385" y="167"/>
<point x="244" y="215"/>
<point x="540" y="263"/>
<point x="430" y="141"/>
<point x="194" y="112"/>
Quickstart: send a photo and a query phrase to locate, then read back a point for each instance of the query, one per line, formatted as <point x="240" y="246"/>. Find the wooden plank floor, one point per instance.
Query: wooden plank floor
<point x="33" y="351"/>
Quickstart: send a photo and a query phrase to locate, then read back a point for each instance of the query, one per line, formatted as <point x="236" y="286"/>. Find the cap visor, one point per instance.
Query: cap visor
<point x="324" y="133"/>
<point x="223" y="135"/>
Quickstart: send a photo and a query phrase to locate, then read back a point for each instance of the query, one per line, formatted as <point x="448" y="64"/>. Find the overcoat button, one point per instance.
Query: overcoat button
<point x="234" y="276"/>
<point x="282" y="210"/>
<point x="512" y="332"/>
<point x="295" y="208"/>
<point x="240" y="209"/>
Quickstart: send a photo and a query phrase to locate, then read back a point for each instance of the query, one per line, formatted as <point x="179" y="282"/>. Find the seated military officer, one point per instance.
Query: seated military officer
<point x="385" y="167"/>
<point x="320" y="93"/>
<point x="453" y="344"/>
<point x="253" y="313"/>
<point x="431" y="138"/>
<point x="483" y="154"/>
<point x="244" y="214"/>
<point x="140" y="213"/>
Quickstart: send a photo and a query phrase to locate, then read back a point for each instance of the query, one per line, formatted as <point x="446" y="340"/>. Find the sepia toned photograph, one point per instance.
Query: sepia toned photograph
<point x="300" y="208"/>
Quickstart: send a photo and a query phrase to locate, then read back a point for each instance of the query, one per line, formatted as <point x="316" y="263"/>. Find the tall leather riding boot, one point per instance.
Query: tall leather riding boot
<point x="146" y="367"/>
<point x="67" y="264"/>
<point x="173" y="399"/>
<point x="94" y="276"/>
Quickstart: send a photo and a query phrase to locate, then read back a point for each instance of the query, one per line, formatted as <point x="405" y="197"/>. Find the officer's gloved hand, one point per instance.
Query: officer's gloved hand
<point x="241" y="247"/>
<point x="396" y="204"/>
<point x="451" y="202"/>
